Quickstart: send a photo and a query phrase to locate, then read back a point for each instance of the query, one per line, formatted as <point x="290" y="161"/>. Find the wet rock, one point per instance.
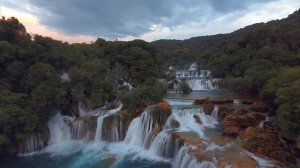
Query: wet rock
<point x="238" y="121"/>
<point x="247" y="102"/>
<point x="201" y="101"/>
<point x="197" y="119"/>
<point x="224" y="111"/>
<point x="212" y="101"/>
<point x="73" y="108"/>
<point x="235" y="158"/>
<point x="208" y="108"/>
<point x="111" y="105"/>
<point x="259" y="107"/>
<point x="266" y="143"/>
<point x="174" y="123"/>
<point x="164" y="106"/>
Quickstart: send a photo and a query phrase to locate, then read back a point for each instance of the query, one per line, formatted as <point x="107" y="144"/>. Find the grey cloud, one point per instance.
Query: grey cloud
<point x="119" y="18"/>
<point x="233" y="5"/>
<point x="110" y="18"/>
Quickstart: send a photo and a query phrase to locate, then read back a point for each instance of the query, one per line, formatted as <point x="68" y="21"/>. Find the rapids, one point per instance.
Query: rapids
<point x="183" y="141"/>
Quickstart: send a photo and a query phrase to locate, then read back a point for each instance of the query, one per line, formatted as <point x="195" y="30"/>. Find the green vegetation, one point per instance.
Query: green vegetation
<point x="185" y="87"/>
<point x="262" y="59"/>
<point x="32" y="90"/>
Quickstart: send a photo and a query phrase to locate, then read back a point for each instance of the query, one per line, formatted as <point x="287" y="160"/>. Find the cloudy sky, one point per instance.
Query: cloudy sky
<point x="85" y="20"/>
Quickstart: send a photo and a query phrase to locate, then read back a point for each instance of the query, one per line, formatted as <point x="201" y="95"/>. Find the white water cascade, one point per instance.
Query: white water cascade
<point x="200" y="84"/>
<point x="185" y="160"/>
<point x="140" y="131"/>
<point x="164" y="146"/>
<point x="98" y="136"/>
<point x="215" y="112"/>
<point x="31" y="143"/>
<point x="186" y="118"/>
<point x="60" y="130"/>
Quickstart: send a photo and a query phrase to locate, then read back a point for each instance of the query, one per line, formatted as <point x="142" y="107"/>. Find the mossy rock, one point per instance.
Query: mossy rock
<point x="208" y="108"/>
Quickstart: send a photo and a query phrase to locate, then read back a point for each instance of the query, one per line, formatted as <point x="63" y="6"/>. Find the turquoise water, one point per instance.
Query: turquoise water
<point x="84" y="154"/>
<point x="88" y="155"/>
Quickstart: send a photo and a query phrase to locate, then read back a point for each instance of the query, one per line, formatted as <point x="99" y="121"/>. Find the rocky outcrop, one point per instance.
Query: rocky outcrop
<point x="239" y="120"/>
<point x="212" y="101"/>
<point x="259" y="107"/>
<point x="265" y="142"/>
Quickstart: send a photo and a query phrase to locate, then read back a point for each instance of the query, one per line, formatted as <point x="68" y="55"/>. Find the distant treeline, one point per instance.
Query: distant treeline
<point x="262" y="59"/>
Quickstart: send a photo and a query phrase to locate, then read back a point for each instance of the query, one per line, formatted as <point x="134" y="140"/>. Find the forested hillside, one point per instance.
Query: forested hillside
<point x="261" y="59"/>
<point x="41" y="76"/>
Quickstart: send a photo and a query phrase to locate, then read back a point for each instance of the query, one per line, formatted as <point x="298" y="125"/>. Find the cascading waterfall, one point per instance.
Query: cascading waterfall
<point x="84" y="128"/>
<point x="163" y="145"/>
<point x="60" y="129"/>
<point x="140" y="131"/>
<point x="83" y="110"/>
<point x="98" y="136"/>
<point x="200" y="84"/>
<point x="150" y="135"/>
<point x="185" y="160"/>
<point x="31" y="143"/>
<point x="186" y="118"/>
<point x="215" y="112"/>
<point x="100" y="120"/>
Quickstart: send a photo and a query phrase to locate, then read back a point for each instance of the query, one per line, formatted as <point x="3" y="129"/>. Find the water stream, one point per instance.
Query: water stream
<point x="146" y="144"/>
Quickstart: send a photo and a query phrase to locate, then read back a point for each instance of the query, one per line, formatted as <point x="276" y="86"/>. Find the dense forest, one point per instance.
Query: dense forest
<point x="41" y="76"/>
<point x="262" y="59"/>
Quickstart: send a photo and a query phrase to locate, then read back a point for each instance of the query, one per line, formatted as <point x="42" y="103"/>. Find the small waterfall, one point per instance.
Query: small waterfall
<point x="140" y="131"/>
<point x="163" y="145"/>
<point x="262" y="123"/>
<point x="98" y="136"/>
<point x="32" y="143"/>
<point x="200" y="84"/>
<point x="83" y="109"/>
<point x="59" y="127"/>
<point x="100" y="120"/>
<point x="84" y="128"/>
<point x="237" y="101"/>
<point x="186" y="118"/>
<point x="185" y="160"/>
<point x="215" y="112"/>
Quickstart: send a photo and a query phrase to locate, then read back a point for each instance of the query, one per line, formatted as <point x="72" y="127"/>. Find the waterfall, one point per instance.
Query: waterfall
<point x="236" y="101"/>
<point x="163" y="145"/>
<point x="200" y="84"/>
<point x="115" y="130"/>
<point x="83" y="110"/>
<point x="186" y="118"/>
<point x="140" y="131"/>
<point x="185" y="160"/>
<point x="32" y="143"/>
<point x="84" y="128"/>
<point x="59" y="127"/>
<point x="262" y="123"/>
<point x="98" y="136"/>
<point x="215" y="112"/>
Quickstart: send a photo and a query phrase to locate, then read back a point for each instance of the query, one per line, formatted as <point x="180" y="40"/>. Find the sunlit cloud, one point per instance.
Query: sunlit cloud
<point x="84" y="21"/>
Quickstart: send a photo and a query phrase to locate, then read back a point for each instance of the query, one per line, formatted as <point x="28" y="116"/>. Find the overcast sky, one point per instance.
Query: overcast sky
<point x="85" y="20"/>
